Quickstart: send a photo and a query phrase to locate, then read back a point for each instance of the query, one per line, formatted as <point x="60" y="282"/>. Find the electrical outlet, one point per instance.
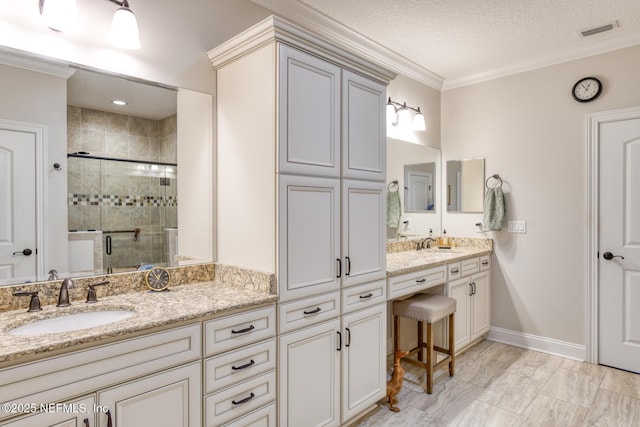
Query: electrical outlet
<point x="517" y="227"/>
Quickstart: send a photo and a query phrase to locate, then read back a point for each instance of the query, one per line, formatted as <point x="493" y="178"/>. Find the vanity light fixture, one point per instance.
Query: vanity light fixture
<point x="62" y="15"/>
<point x="400" y="115"/>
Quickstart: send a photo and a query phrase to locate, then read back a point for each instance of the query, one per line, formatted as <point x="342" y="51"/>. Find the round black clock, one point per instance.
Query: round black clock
<point x="587" y="89"/>
<point x="157" y="279"/>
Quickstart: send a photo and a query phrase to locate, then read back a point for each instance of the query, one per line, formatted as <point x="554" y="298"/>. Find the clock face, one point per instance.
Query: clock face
<point x="587" y="89"/>
<point x="157" y="279"/>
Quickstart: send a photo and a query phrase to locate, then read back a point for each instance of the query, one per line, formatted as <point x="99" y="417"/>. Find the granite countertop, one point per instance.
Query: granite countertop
<point x="153" y="309"/>
<point x="409" y="261"/>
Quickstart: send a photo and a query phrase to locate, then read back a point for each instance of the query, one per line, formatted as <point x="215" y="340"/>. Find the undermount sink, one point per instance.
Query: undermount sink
<point x="71" y="322"/>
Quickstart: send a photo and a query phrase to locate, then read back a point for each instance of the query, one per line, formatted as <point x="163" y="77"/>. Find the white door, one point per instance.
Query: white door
<point x="309" y="227"/>
<point x="419" y="193"/>
<point x="17" y="204"/>
<point x="364" y="359"/>
<point x="363" y="232"/>
<point x="619" y="244"/>
<point x="364" y="139"/>
<point x="309" y="116"/>
<point x="309" y="373"/>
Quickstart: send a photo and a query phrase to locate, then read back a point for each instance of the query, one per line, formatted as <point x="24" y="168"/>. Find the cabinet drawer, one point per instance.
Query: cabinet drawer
<point x="241" y="329"/>
<point x="234" y="402"/>
<point x="308" y="311"/>
<point x="263" y="417"/>
<point x="453" y="271"/>
<point x="362" y="296"/>
<point x="485" y="262"/>
<point x="411" y="283"/>
<point x="239" y="365"/>
<point x="469" y="266"/>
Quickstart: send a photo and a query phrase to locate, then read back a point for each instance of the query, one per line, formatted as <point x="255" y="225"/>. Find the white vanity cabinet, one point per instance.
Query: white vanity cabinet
<point x="76" y="413"/>
<point x="132" y="379"/>
<point x="473" y="298"/>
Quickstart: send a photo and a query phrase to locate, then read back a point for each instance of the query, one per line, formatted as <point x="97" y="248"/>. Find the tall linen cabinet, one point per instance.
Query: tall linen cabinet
<point x="301" y="159"/>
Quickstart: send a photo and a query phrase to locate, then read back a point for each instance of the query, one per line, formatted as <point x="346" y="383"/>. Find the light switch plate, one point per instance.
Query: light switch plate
<point x="517" y="227"/>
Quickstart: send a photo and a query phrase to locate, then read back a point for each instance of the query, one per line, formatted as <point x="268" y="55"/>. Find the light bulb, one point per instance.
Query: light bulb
<point x="404" y="117"/>
<point x="418" y="121"/>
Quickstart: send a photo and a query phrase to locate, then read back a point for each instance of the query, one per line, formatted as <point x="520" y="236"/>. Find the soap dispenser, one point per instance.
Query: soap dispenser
<point x="444" y="240"/>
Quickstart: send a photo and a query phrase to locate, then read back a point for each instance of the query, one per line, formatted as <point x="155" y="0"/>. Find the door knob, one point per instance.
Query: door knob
<point x="609" y="256"/>
<point x="26" y="252"/>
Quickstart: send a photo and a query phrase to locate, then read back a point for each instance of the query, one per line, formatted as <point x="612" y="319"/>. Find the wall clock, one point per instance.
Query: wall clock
<point x="587" y="89"/>
<point x="157" y="279"/>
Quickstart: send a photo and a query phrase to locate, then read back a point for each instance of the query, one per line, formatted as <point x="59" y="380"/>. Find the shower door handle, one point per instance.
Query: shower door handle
<point x="108" y="240"/>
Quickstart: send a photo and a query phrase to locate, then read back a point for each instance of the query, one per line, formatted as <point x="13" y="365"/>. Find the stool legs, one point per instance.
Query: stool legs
<point x="429" y="365"/>
<point x="452" y="344"/>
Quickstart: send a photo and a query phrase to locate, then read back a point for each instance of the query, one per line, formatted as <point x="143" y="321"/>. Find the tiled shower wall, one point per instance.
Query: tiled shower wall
<point x="111" y="195"/>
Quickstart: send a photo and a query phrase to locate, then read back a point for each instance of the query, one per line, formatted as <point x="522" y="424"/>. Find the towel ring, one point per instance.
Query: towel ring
<point x="394" y="182"/>
<point x="497" y="178"/>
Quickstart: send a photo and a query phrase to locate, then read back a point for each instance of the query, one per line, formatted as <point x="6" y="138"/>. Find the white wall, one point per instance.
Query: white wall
<point x="533" y="134"/>
<point x="42" y="99"/>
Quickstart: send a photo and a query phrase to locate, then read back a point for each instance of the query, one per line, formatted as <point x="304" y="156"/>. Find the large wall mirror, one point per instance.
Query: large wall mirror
<point x="465" y="185"/>
<point x="94" y="187"/>
<point x="417" y="169"/>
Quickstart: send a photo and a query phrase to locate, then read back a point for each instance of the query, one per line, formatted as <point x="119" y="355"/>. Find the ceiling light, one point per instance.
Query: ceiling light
<point x="119" y="102"/>
<point x="400" y="115"/>
<point x="62" y="15"/>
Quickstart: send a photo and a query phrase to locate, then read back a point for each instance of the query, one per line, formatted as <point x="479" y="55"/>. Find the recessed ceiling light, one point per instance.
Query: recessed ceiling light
<point x="119" y="102"/>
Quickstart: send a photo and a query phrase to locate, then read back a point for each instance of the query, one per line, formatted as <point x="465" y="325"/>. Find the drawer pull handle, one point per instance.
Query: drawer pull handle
<point x="317" y="310"/>
<point x="369" y="295"/>
<point x="339" y="275"/>
<point x="245" y="400"/>
<point x="109" y="421"/>
<point x="348" y="337"/>
<point x="455" y="271"/>
<point x="485" y="262"/>
<point x="242" y="331"/>
<point x="348" y="265"/>
<point x="86" y="422"/>
<point x="339" y="340"/>
<point x="421" y="280"/>
<point x="245" y="366"/>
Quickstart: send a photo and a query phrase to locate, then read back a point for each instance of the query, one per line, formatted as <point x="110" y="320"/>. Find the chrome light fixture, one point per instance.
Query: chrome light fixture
<point x="62" y="15"/>
<point x="400" y="115"/>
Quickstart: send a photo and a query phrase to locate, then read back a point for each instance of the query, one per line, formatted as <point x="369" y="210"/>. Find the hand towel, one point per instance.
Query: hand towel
<point x="394" y="209"/>
<point x="493" y="209"/>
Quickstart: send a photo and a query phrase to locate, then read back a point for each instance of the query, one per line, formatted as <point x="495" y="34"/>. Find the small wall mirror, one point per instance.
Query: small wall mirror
<point x="465" y="185"/>
<point x="419" y="187"/>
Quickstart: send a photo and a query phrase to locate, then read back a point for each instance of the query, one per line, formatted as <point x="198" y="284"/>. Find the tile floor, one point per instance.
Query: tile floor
<point x="500" y="385"/>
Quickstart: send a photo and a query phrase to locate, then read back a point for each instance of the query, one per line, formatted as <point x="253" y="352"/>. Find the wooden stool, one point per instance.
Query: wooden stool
<point x="426" y="308"/>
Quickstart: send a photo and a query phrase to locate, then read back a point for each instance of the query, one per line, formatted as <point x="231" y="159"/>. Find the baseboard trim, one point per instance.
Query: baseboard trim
<point x="538" y="343"/>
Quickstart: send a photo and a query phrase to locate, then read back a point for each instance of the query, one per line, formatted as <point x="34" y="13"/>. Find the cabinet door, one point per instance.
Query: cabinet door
<point x="79" y="413"/>
<point x="309" y="374"/>
<point x="309" y="228"/>
<point x="461" y="291"/>
<point x="167" y="399"/>
<point x="364" y="146"/>
<point x="363" y="232"/>
<point x="480" y="301"/>
<point x="364" y="361"/>
<point x="309" y="114"/>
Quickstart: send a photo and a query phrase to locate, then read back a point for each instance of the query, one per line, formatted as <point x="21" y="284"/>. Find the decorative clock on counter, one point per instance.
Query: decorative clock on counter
<point x="587" y="89"/>
<point x="157" y="279"/>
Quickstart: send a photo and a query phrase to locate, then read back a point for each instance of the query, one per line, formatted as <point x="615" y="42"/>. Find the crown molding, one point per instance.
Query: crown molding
<point x="350" y="40"/>
<point x="40" y="64"/>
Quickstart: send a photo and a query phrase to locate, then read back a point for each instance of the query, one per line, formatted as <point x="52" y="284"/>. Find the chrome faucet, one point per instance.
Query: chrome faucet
<point x="425" y="243"/>
<point x="63" y="297"/>
<point x="53" y="274"/>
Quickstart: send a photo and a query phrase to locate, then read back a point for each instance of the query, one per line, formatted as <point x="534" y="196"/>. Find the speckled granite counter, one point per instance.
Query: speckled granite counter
<point x="181" y="304"/>
<point x="409" y="261"/>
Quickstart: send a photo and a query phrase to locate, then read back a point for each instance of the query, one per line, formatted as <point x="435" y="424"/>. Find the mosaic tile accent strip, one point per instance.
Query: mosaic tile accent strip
<point x="115" y="200"/>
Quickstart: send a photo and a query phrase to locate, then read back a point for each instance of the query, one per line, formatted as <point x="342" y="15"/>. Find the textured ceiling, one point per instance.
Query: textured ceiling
<point x="460" y="39"/>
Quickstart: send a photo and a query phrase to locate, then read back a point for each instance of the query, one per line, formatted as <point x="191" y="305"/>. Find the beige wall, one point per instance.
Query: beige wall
<point x="533" y="134"/>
